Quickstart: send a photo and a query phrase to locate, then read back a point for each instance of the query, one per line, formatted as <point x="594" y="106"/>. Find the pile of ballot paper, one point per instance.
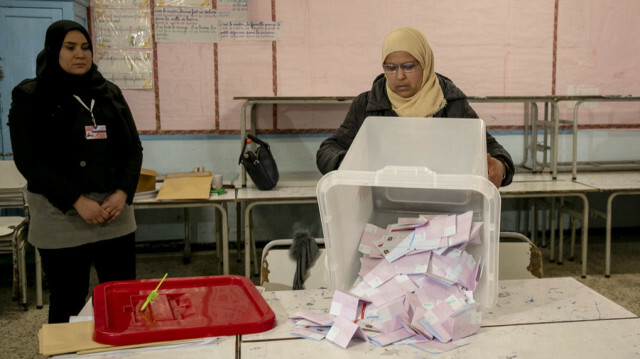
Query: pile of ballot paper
<point x="415" y="287"/>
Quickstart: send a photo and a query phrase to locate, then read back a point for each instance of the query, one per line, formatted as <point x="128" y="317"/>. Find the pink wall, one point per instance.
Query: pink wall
<point x="332" y="48"/>
<point x="599" y="51"/>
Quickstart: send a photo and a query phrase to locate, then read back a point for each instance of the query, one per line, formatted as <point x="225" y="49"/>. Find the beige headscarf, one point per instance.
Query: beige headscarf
<point x="429" y="99"/>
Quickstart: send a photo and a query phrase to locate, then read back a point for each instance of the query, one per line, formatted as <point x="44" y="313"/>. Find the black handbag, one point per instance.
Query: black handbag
<point x="260" y="164"/>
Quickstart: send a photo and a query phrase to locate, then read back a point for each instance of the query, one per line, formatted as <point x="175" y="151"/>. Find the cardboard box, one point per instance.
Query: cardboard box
<point x="147" y="181"/>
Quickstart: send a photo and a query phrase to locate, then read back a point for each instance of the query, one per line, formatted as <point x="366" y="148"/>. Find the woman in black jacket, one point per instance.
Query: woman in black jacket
<point x="409" y="87"/>
<point x="75" y="141"/>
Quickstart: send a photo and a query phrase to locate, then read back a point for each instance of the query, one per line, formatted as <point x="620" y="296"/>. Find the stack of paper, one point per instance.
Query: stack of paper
<point x="415" y="287"/>
<point x="77" y="337"/>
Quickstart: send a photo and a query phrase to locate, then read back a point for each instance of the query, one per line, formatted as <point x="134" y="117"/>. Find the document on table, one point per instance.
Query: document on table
<point x="343" y="330"/>
<point x="67" y="338"/>
<point x="77" y="337"/>
<point x="186" y="185"/>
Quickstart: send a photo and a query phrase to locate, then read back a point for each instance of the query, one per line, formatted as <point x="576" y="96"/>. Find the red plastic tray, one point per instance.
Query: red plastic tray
<point x="192" y="307"/>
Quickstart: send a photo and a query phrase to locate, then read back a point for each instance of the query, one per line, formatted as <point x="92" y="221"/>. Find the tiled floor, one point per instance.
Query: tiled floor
<point x="18" y="329"/>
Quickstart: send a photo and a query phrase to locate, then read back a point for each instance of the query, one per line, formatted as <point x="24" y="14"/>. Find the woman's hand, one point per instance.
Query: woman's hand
<point x="496" y="170"/>
<point x="90" y="210"/>
<point x="114" y="204"/>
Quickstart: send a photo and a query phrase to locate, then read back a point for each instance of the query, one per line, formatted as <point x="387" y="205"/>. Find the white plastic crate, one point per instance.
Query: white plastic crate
<point x="370" y="187"/>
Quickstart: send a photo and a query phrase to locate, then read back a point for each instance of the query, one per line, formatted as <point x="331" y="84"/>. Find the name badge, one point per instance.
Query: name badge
<point x="95" y="132"/>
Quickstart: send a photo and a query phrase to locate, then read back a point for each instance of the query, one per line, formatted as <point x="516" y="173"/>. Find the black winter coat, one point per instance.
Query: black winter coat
<point x="376" y="103"/>
<point x="51" y="152"/>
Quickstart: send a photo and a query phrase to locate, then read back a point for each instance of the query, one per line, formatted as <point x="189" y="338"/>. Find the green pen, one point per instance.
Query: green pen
<point x="220" y="191"/>
<point x="153" y="294"/>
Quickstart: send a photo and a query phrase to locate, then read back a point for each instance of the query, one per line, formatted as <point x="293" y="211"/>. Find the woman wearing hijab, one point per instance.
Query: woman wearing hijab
<point x="409" y="87"/>
<point x="75" y="141"/>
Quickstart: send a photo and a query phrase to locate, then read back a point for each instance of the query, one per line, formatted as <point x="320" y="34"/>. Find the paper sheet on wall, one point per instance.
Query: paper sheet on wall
<point x="186" y="185"/>
<point x="237" y="10"/>
<point x="140" y="4"/>
<point x="129" y="69"/>
<point x="192" y="3"/>
<point x="249" y="31"/>
<point x="185" y="24"/>
<point x="122" y="28"/>
<point x="122" y="36"/>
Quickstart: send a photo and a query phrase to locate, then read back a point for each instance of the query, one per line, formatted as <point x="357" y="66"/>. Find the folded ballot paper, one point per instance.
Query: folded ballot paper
<point x="415" y="287"/>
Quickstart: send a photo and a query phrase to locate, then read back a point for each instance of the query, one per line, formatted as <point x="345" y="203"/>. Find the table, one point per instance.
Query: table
<point x="556" y="188"/>
<point x="576" y="108"/>
<point x="526" y="185"/>
<point x="563" y="299"/>
<point x="520" y="301"/>
<point x="221" y="347"/>
<point x="530" y="124"/>
<point x="216" y="201"/>
<point x="524" y="176"/>
<point x="618" y="184"/>
<point x="251" y="102"/>
<point x="253" y="197"/>
<point x="588" y="339"/>
<point x="553" y="311"/>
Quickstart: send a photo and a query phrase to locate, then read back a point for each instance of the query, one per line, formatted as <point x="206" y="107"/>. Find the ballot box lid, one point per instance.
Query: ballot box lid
<point x="185" y="308"/>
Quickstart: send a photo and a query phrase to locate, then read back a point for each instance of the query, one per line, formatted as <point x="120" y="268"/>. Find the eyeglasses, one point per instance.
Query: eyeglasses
<point x="406" y="67"/>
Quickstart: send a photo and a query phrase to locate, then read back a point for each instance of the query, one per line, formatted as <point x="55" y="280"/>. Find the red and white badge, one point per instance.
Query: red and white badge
<point x="95" y="132"/>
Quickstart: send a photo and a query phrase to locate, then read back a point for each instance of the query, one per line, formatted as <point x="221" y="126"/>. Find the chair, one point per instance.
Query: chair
<point x="13" y="239"/>
<point x="278" y="269"/>
<point x="519" y="257"/>
<point x="14" y="231"/>
<point x="8" y="229"/>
